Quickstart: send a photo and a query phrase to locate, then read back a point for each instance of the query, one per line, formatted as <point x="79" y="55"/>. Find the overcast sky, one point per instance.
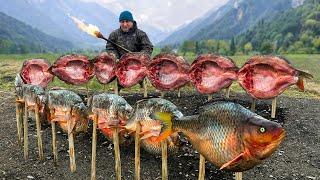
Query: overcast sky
<point x="163" y="14"/>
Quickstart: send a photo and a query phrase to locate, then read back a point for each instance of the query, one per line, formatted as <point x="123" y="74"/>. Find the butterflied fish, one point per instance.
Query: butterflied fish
<point x="265" y="77"/>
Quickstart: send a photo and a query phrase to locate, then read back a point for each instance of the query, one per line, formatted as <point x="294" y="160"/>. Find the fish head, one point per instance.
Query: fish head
<point x="262" y="137"/>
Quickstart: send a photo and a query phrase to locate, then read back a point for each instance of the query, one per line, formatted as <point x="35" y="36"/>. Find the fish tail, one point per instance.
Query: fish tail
<point x="300" y="83"/>
<point x="166" y="121"/>
<point x="303" y="75"/>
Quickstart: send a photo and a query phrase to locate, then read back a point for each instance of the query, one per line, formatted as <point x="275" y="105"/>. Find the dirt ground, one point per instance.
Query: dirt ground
<point x="297" y="158"/>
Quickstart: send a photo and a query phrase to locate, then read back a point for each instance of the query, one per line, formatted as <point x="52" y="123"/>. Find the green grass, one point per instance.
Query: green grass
<point x="10" y="65"/>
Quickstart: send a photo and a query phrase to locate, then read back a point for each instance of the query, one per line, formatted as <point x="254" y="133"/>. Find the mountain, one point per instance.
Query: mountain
<point x="52" y="17"/>
<point x="294" y="31"/>
<point x="17" y="37"/>
<point x="230" y="20"/>
<point x="184" y="32"/>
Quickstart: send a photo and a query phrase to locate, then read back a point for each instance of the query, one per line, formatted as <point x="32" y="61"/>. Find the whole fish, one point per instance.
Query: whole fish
<point x="32" y="95"/>
<point x="226" y="134"/>
<point x="150" y="129"/>
<point x="113" y="111"/>
<point x="64" y="106"/>
<point x="265" y="77"/>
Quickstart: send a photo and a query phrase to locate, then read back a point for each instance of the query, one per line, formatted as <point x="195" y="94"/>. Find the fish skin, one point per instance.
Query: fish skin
<point x="111" y="107"/>
<point x="229" y="136"/>
<point x="18" y="84"/>
<point x="62" y="102"/>
<point x="142" y="111"/>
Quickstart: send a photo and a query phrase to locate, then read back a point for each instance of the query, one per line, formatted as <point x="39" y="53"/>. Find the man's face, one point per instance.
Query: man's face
<point x="126" y="25"/>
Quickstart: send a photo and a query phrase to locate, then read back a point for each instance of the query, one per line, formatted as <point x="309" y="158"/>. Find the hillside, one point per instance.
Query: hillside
<point x="52" y="17"/>
<point x="17" y="37"/>
<point x="229" y="20"/>
<point x="294" y="31"/>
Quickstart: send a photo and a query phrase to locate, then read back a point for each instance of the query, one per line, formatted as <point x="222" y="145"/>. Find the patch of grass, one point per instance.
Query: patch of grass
<point x="10" y="65"/>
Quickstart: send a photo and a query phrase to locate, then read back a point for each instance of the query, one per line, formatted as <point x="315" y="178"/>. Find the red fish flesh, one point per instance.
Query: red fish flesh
<point x="132" y="68"/>
<point x="210" y="73"/>
<point x="265" y="77"/>
<point x="73" y="69"/>
<point x="104" y="68"/>
<point x="168" y="72"/>
<point x="36" y="72"/>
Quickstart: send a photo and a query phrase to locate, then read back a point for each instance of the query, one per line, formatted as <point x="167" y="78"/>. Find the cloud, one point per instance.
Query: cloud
<point x="165" y="15"/>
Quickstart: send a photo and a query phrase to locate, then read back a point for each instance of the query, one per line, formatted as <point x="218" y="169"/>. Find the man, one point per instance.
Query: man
<point x="129" y="36"/>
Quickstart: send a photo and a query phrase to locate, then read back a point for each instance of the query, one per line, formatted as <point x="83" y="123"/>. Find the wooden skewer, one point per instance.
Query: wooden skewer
<point x="25" y="132"/>
<point x="19" y="120"/>
<point x="164" y="148"/>
<point x="116" y="91"/>
<point x="94" y="147"/>
<point x="39" y="136"/>
<point x="117" y="153"/>
<point x="179" y="92"/>
<point x="71" y="144"/>
<point x="87" y="88"/>
<point x="104" y="87"/>
<point x="274" y="108"/>
<point x="202" y="168"/>
<point x="54" y="143"/>
<point x="162" y="94"/>
<point x="145" y="88"/>
<point x="228" y="92"/>
<point x="238" y="176"/>
<point x="253" y="105"/>
<point x="137" y="152"/>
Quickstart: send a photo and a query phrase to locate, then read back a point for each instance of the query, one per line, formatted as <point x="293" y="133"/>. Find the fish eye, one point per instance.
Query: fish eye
<point x="262" y="129"/>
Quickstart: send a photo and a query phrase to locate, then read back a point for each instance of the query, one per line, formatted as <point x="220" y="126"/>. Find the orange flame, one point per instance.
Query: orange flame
<point x="90" y="29"/>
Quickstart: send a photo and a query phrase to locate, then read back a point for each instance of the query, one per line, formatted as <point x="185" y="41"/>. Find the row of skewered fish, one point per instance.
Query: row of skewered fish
<point x="263" y="77"/>
<point x="225" y="133"/>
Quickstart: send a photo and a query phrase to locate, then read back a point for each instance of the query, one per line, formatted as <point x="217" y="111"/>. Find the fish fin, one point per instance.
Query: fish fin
<point x="146" y="136"/>
<point x="166" y="121"/>
<point x="20" y="101"/>
<point x="233" y="161"/>
<point x="300" y="83"/>
<point x="304" y="74"/>
<point x="55" y="120"/>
